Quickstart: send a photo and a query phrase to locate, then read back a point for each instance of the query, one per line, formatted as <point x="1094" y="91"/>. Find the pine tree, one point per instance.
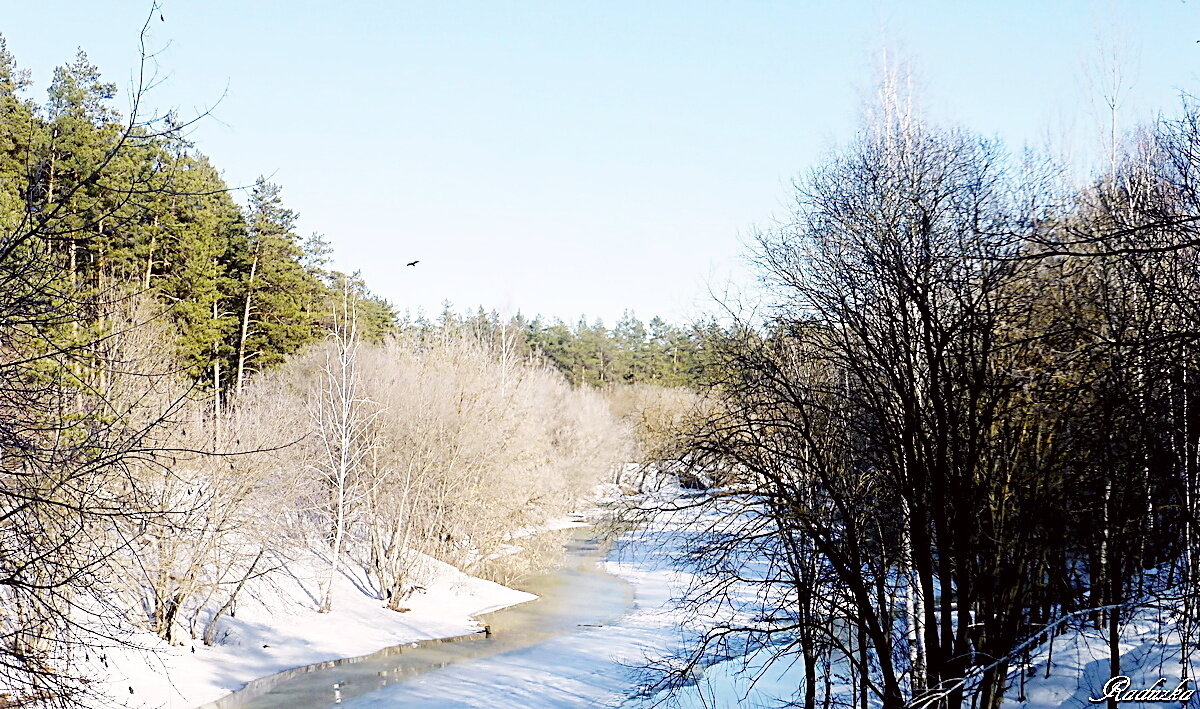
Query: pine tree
<point x="279" y="300"/>
<point x="81" y="131"/>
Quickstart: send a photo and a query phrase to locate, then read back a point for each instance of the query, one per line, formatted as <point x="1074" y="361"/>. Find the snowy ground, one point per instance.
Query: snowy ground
<point x="1079" y="667"/>
<point x="277" y="628"/>
<point x="602" y="666"/>
<point x="259" y="642"/>
<point x="585" y="664"/>
<point x="1066" y="676"/>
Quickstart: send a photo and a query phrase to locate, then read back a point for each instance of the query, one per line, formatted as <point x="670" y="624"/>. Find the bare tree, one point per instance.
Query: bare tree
<point x="343" y="422"/>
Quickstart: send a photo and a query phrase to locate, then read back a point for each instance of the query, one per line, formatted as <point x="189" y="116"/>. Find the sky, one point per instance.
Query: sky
<point x="577" y="158"/>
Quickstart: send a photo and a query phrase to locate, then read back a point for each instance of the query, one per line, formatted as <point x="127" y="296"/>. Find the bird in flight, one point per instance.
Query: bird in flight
<point x="413" y="263"/>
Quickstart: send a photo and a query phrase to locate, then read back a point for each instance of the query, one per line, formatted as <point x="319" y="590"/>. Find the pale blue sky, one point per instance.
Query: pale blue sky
<point x="577" y="158"/>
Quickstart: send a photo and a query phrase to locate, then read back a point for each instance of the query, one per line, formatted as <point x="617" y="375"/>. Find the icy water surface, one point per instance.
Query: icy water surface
<point x="575" y="598"/>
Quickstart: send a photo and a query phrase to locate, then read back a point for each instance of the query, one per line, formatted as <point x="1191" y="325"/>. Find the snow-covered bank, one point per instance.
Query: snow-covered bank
<point x="277" y="628"/>
<point x="1079" y="665"/>
<point x="591" y="665"/>
<point x="1067" y="674"/>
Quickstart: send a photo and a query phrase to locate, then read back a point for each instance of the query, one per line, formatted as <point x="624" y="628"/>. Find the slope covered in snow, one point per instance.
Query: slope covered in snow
<point x="1065" y="674"/>
<point x="277" y="627"/>
<point x="1076" y="669"/>
<point x="590" y="665"/>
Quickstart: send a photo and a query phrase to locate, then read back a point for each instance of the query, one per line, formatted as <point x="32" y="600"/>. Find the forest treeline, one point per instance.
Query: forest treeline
<point x="969" y="421"/>
<point x="589" y="353"/>
<point x="192" y="401"/>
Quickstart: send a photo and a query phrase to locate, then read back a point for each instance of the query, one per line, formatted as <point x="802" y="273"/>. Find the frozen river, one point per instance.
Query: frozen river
<point x="596" y="620"/>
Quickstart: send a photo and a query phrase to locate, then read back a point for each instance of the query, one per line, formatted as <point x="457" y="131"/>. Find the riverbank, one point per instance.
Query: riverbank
<point x="578" y="593"/>
<point x="277" y="628"/>
<point x="599" y="618"/>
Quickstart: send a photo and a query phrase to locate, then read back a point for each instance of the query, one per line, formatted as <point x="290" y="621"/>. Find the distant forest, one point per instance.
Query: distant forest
<point x="631" y="352"/>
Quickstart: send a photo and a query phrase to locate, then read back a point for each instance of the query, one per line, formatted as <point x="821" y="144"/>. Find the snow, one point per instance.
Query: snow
<point x="280" y="629"/>
<point x="1079" y="668"/>
<point x="1150" y="650"/>
<point x="556" y="524"/>
<point x="591" y="666"/>
<point x="604" y="664"/>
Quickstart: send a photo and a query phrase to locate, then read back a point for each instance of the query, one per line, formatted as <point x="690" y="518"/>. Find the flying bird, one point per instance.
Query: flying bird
<point x="413" y="263"/>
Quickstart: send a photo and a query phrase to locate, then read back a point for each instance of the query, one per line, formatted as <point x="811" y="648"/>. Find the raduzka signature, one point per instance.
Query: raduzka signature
<point x="1118" y="688"/>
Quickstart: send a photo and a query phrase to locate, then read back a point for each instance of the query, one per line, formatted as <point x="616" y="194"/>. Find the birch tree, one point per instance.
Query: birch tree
<point x="343" y="421"/>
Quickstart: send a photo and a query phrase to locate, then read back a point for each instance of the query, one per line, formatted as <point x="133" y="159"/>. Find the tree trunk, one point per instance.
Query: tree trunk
<point x="810" y="679"/>
<point x="245" y="325"/>
<point x="210" y="628"/>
